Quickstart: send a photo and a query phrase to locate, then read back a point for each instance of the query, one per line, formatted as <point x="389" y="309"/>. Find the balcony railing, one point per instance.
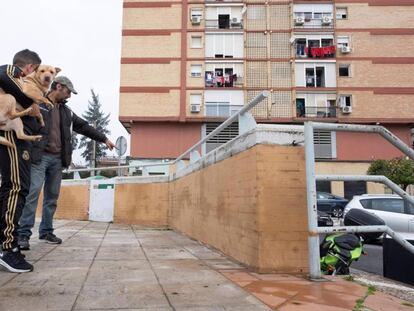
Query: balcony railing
<point x="302" y="22"/>
<point x="221" y="109"/>
<point x="233" y="23"/>
<point x="233" y="80"/>
<point x="315" y="112"/>
<point x="304" y="51"/>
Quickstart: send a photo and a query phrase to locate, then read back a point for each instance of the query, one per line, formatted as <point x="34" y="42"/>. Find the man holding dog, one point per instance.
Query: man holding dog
<point x="48" y="157"/>
<point x="15" y="163"/>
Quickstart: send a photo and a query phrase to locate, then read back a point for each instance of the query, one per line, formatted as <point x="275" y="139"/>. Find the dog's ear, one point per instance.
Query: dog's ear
<point x="58" y="70"/>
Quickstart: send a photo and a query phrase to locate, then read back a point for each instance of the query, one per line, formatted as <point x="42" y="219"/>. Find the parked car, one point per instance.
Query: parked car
<point x="396" y="213"/>
<point x="324" y="220"/>
<point x="332" y="204"/>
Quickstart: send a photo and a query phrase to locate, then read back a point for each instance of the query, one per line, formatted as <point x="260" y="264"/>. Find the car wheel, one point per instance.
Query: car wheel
<point x="337" y="211"/>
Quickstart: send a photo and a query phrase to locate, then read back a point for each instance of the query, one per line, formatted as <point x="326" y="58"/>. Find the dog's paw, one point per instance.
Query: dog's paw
<point x="49" y="103"/>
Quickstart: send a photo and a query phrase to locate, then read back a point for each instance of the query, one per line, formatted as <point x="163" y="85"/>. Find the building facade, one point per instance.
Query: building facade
<point x="187" y="65"/>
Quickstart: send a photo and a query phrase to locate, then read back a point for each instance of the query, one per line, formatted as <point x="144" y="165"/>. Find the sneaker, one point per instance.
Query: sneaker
<point x="24" y="244"/>
<point x="14" y="261"/>
<point x="50" y="238"/>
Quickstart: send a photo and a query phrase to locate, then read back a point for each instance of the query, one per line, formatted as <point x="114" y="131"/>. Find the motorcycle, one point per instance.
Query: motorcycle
<point x="338" y="251"/>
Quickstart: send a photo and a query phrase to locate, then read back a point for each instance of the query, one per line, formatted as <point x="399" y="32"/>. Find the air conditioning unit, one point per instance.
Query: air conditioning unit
<point x="345" y="49"/>
<point x="235" y="21"/>
<point x="346" y="109"/>
<point x="195" y="20"/>
<point x="299" y="20"/>
<point x="195" y="108"/>
<point x="326" y="20"/>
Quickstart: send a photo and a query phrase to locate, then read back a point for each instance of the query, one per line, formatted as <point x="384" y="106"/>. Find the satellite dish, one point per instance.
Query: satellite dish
<point x="121" y="145"/>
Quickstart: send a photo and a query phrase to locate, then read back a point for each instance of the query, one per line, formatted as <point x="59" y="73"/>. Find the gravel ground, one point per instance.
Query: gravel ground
<point x="400" y="290"/>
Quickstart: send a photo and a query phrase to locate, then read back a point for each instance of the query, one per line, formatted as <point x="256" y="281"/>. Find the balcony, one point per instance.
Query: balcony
<point x="221" y="109"/>
<point x="217" y="79"/>
<point x="314" y="111"/>
<point x="303" y="51"/>
<point x="303" y="20"/>
<point x="224" y="23"/>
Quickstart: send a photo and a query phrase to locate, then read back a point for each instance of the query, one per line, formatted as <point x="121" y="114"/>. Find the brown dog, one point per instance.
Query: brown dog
<point x="34" y="86"/>
<point x="11" y="118"/>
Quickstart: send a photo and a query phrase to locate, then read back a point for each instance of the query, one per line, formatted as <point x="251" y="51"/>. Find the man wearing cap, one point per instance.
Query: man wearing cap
<point x="49" y="156"/>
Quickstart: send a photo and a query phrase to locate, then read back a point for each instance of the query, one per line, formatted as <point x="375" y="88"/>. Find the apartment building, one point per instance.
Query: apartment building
<point x="187" y="65"/>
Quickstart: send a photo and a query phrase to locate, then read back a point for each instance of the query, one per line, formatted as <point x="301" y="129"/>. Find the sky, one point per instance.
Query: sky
<point x="82" y="37"/>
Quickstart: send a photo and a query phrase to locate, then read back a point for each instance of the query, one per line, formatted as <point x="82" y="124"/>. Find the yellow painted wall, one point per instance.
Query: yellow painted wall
<point x="368" y="105"/>
<point x="366" y="45"/>
<point x="367" y="74"/>
<point x="362" y="15"/>
<point x="152" y="46"/>
<point x="152" y="18"/>
<point x="153" y="75"/>
<point x="150" y="104"/>
<point x="144" y="204"/>
<point x="346" y="168"/>
<point x="73" y="203"/>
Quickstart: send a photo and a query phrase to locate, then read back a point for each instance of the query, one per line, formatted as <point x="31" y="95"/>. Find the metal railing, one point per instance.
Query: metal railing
<point x="316" y="112"/>
<point x="246" y="123"/>
<point x="314" y="231"/>
<point x="228" y="24"/>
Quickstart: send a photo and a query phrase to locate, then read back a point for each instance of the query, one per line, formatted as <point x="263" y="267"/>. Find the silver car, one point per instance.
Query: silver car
<point x="396" y="213"/>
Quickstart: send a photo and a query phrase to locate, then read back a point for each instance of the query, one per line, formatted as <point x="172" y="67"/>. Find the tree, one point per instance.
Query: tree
<point x="398" y="170"/>
<point x="74" y="140"/>
<point x="96" y="117"/>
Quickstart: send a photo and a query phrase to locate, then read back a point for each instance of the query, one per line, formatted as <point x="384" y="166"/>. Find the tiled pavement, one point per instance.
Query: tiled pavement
<point x="113" y="267"/>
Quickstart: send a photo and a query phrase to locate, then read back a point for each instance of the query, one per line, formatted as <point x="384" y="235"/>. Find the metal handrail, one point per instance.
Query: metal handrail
<point x="222" y="126"/>
<point x="313" y="239"/>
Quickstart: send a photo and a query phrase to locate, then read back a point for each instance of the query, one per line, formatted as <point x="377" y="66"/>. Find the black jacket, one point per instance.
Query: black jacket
<point x="9" y="75"/>
<point x="68" y="121"/>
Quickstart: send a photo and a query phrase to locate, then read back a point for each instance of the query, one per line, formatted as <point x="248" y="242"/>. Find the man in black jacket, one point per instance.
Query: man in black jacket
<point x="48" y="157"/>
<point x="15" y="162"/>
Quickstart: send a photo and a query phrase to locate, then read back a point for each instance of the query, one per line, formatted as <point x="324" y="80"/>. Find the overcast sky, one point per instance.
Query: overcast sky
<point x="82" y="37"/>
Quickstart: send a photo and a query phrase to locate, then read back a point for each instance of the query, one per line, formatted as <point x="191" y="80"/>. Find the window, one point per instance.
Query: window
<point x="196" y="42"/>
<point x="317" y="15"/>
<point x="345" y="100"/>
<point x="325" y="146"/>
<point x="196" y="70"/>
<point x="352" y="188"/>
<point x="344" y="70"/>
<point x="195" y="99"/>
<point x="323" y="186"/>
<point x="341" y="13"/>
<point x="315" y="76"/>
<point x="342" y="41"/>
<point x="388" y="205"/>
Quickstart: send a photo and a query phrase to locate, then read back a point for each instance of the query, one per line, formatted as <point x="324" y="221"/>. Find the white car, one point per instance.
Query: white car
<point x="396" y="213"/>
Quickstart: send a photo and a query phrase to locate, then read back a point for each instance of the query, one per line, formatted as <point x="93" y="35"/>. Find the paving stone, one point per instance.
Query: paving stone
<point x="212" y="295"/>
<point x="125" y="272"/>
<point x="121" y="296"/>
<point x="120" y="253"/>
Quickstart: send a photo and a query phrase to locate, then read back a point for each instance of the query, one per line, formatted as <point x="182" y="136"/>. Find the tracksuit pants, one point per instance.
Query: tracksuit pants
<point x="15" y="183"/>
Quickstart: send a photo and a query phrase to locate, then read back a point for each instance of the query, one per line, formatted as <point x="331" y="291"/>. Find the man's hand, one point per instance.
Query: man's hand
<point x="35" y="110"/>
<point x="109" y="144"/>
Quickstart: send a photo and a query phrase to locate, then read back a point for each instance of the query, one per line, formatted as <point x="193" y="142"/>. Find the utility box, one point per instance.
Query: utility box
<point x="398" y="262"/>
<point x="101" y="200"/>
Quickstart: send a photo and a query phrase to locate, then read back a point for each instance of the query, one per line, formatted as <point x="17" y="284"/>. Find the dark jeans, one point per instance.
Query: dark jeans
<point x="15" y="182"/>
<point x="49" y="173"/>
